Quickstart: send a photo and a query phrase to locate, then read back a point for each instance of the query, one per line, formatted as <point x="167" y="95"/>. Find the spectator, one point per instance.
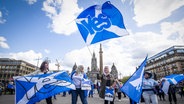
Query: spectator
<point x="172" y="93"/>
<point x="161" y="93"/>
<point x="77" y="77"/>
<point x="107" y="80"/>
<point x="11" y="87"/>
<point x="98" y="86"/>
<point x="44" y="68"/>
<point x="92" y="90"/>
<point x="148" y="88"/>
<point x="119" y="85"/>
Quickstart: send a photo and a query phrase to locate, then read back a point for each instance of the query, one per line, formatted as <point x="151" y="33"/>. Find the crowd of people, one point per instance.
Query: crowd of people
<point x="151" y="89"/>
<point x="7" y="88"/>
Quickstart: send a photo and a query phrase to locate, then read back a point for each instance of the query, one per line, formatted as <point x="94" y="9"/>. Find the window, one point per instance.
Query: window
<point x="3" y="67"/>
<point x="180" y="51"/>
<point x="172" y="52"/>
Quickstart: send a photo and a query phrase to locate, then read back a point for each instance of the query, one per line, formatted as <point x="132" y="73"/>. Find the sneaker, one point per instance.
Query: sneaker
<point x="119" y="100"/>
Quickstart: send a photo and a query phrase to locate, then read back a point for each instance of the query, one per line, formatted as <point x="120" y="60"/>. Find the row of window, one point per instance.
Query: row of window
<point x="16" y="67"/>
<point x="8" y="67"/>
<point x="164" y="62"/>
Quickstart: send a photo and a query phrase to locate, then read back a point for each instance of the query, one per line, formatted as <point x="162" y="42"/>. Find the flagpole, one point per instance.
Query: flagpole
<point x="89" y="50"/>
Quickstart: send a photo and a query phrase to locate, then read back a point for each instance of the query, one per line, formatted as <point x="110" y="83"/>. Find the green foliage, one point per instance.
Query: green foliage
<point x="125" y="79"/>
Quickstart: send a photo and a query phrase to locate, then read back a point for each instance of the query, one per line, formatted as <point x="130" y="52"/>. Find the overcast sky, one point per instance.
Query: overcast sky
<point x="31" y="29"/>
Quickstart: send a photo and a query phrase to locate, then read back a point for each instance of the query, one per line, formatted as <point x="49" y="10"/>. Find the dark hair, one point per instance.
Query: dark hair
<point x="42" y="67"/>
<point x="149" y="73"/>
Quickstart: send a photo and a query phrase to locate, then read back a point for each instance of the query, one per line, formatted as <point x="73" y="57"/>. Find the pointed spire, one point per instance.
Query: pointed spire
<point x="74" y="67"/>
<point x="114" y="71"/>
<point x="93" y="54"/>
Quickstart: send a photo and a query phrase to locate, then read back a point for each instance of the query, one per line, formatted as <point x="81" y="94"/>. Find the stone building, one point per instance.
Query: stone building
<point x="114" y="71"/>
<point x="94" y="72"/>
<point x="166" y="62"/>
<point x="11" y="67"/>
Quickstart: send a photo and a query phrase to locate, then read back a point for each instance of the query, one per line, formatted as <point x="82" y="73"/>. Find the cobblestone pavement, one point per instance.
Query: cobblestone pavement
<point x="9" y="99"/>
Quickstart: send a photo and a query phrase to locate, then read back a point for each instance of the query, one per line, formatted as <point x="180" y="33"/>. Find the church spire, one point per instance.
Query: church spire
<point x="114" y="71"/>
<point x="74" y="67"/>
<point x="93" y="62"/>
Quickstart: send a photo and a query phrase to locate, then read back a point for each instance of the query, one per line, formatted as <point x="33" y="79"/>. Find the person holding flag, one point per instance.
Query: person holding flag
<point x="148" y="88"/>
<point x="133" y="86"/>
<point x="107" y="80"/>
<point x="77" y="76"/>
<point x="44" y="68"/>
<point x="41" y="84"/>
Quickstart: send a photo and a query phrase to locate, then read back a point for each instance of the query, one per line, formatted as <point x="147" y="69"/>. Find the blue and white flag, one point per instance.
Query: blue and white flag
<point x="171" y="79"/>
<point x="86" y="84"/>
<point x="133" y="86"/>
<point x="98" y="23"/>
<point x="174" y="78"/>
<point x="109" y="94"/>
<point x="165" y="87"/>
<point x="31" y="89"/>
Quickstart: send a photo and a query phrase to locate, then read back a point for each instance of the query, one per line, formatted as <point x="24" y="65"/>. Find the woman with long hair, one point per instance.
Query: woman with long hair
<point x="77" y="76"/>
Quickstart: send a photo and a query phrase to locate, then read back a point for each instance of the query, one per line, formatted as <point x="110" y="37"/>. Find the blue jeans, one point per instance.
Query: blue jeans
<point x="79" y="92"/>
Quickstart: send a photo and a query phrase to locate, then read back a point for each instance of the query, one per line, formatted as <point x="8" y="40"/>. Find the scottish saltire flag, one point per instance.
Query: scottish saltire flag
<point x="98" y="23"/>
<point x="133" y="86"/>
<point x="165" y="87"/>
<point x="171" y="79"/>
<point x="109" y="94"/>
<point x="86" y="84"/>
<point x="31" y="89"/>
<point x="174" y="78"/>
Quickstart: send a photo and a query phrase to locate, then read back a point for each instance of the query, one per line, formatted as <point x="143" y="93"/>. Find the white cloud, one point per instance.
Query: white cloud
<point x="62" y="14"/>
<point x="29" y="56"/>
<point x="174" y="31"/>
<point x="3" y="43"/>
<point x="47" y="51"/>
<point x="153" y="11"/>
<point x="80" y="57"/>
<point x="31" y="1"/>
<point x="1" y="18"/>
<point x="128" y="52"/>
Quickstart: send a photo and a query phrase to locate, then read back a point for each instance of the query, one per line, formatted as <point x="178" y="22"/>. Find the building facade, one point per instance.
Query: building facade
<point x="94" y="72"/>
<point x="169" y="61"/>
<point x="114" y="71"/>
<point x="11" y="67"/>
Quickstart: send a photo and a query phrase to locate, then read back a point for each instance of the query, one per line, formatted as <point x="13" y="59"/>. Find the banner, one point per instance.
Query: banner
<point x="133" y="86"/>
<point x="86" y="84"/>
<point x="31" y="89"/>
<point x="109" y="94"/>
<point x="98" y="23"/>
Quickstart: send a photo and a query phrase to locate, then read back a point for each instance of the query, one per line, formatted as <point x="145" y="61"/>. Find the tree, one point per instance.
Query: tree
<point x="125" y="79"/>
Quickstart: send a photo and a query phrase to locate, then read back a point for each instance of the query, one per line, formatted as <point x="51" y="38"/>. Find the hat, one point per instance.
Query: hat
<point x="149" y="73"/>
